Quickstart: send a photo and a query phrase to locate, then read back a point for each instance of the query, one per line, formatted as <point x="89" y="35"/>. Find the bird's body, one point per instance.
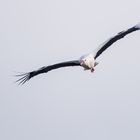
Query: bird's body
<point x="88" y="62"/>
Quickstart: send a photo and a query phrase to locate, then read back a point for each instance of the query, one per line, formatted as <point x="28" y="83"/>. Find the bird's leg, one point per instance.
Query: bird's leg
<point x="92" y="70"/>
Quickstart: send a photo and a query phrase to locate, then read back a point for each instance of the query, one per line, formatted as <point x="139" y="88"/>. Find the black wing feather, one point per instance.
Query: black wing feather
<point x="27" y="76"/>
<point x="114" y="39"/>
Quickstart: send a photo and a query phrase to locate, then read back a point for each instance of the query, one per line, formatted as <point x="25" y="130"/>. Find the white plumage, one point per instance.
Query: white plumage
<point x="138" y="25"/>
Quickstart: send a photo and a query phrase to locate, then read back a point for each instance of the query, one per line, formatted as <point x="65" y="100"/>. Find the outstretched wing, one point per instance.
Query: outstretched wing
<point x="115" y="38"/>
<point x="27" y="76"/>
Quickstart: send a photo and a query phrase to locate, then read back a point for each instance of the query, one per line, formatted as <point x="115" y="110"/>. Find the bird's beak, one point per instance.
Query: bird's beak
<point x="81" y="62"/>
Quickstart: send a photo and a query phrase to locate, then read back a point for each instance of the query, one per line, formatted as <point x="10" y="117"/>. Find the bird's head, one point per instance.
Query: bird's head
<point x="83" y="60"/>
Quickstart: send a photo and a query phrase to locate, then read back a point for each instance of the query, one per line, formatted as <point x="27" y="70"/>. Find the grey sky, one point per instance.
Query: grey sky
<point x="69" y="104"/>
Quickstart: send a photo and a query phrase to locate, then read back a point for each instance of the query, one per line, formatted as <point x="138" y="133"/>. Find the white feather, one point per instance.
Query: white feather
<point x="138" y="25"/>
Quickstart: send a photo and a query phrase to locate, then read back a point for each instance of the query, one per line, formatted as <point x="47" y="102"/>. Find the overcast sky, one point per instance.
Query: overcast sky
<point x="69" y="103"/>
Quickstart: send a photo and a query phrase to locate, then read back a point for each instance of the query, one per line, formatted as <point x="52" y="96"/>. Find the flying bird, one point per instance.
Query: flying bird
<point x="88" y="61"/>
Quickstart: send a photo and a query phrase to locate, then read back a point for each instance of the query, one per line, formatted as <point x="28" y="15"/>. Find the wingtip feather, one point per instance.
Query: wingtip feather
<point x="24" y="78"/>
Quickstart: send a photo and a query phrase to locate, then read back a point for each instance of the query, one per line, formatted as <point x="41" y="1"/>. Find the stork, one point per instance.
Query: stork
<point x="88" y="61"/>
